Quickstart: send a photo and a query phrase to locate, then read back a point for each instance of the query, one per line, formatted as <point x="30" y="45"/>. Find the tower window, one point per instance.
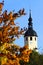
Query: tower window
<point x="35" y="38"/>
<point x="30" y="38"/>
<point x="26" y="38"/>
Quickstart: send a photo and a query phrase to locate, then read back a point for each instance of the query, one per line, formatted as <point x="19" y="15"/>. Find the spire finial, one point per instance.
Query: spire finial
<point x="30" y="20"/>
<point x="30" y="13"/>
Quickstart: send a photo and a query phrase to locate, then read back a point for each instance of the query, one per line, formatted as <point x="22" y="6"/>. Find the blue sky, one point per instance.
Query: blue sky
<point x="36" y="7"/>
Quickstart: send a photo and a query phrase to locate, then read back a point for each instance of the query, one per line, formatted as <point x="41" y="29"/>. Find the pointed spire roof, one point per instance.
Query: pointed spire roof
<point x="30" y="31"/>
<point x="30" y="25"/>
<point x="30" y="18"/>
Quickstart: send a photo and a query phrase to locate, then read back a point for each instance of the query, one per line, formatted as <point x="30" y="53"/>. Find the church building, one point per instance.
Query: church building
<point x="30" y="36"/>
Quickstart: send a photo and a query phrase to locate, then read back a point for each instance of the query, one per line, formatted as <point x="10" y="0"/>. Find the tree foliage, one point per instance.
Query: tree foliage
<point x="35" y="58"/>
<point x="11" y="54"/>
<point x="8" y="28"/>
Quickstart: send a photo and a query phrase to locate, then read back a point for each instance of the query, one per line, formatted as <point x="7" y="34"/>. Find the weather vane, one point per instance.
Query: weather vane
<point x="1" y="6"/>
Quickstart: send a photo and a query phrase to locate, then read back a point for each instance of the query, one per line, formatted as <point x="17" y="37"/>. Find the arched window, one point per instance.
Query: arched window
<point x="31" y="38"/>
<point x="26" y="38"/>
<point x="35" y="38"/>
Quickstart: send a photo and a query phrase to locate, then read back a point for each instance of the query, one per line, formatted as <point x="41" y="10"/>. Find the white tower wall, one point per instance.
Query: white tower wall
<point x="32" y="44"/>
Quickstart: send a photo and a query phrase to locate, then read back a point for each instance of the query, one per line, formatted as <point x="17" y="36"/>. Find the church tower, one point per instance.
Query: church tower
<point x="30" y="36"/>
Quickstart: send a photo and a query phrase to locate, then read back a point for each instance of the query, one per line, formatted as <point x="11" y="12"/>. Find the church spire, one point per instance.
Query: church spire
<point x="30" y="21"/>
